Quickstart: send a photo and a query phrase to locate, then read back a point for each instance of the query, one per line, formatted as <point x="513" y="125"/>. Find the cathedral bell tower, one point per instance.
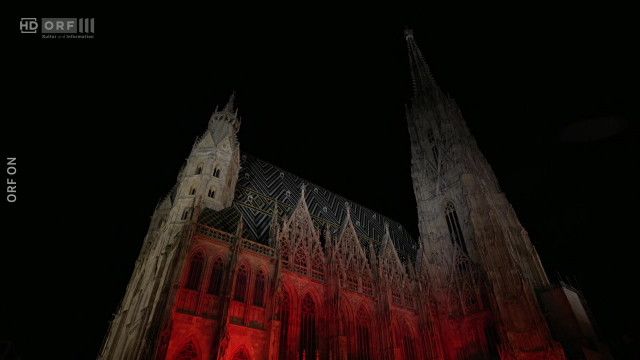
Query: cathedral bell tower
<point x="475" y="257"/>
<point x="207" y="180"/>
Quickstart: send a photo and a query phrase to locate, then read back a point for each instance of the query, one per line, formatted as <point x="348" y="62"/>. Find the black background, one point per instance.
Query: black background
<point x="101" y="127"/>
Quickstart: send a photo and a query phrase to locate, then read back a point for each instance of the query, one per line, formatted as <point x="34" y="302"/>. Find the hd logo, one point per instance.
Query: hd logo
<point x="57" y="25"/>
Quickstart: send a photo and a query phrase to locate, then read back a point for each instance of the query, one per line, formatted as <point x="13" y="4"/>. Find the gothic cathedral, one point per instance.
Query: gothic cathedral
<point x="244" y="260"/>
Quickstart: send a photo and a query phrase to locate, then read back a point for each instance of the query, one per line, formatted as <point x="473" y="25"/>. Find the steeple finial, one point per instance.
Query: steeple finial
<point x="423" y="83"/>
<point x="408" y="33"/>
<point x="303" y="189"/>
<point x="231" y="103"/>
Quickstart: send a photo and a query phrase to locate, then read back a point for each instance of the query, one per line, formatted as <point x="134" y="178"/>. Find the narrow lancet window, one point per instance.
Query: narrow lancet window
<point x="215" y="282"/>
<point x="258" y="295"/>
<point x="453" y="224"/>
<point x="195" y="272"/>
<point x="242" y="279"/>
<point x="185" y="214"/>
<point x="308" y="333"/>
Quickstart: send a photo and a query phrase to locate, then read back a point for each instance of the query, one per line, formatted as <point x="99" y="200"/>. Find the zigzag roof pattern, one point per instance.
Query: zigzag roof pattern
<point x="261" y="184"/>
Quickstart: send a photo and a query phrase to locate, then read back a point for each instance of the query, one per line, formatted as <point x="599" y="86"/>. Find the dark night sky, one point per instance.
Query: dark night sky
<point x="101" y="128"/>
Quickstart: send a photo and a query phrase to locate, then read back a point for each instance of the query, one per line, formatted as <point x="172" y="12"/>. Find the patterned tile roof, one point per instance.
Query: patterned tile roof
<point x="260" y="184"/>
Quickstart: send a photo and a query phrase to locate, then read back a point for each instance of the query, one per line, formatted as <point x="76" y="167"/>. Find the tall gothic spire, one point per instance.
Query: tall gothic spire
<point x="231" y="103"/>
<point x="424" y="86"/>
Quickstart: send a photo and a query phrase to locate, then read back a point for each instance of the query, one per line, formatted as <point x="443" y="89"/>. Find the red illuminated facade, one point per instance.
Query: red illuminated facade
<point x="245" y="261"/>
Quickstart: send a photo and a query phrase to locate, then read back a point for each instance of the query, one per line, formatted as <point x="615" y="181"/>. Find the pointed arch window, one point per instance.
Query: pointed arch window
<point x="317" y="266"/>
<point x="195" y="272"/>
<point x="242" y="279"/>
<point x="284" y="252"/>
<point x="216" y="172"/>
<point x="192" y="191"/>
<point x="215" y="281"/>
<point x="185" y="214"/>
<point x="258" y="294"/>
<point x="300" y="260"/>
<point x="363" y="336"/>
<point x="308" y="333"/>
<point x="199" y="170"/>
<point x="367" y="284"/>
<point x="211" y="193"/>
<point x="283" y="315"/>
<point x="188" y="352"/>
<point x="352" y="278"/>
<point x="453" y="224"/>
<point x="241" y="355"/>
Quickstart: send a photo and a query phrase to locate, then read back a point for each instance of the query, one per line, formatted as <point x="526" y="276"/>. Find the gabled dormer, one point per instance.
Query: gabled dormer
<point x="354" y="270"/>
<point x="299" y="241"/>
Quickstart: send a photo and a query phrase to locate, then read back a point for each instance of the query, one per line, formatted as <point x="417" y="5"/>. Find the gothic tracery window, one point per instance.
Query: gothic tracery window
<point x="453" y="224"/>
<point x="216" y="172"/>
<point x="308" y="334"/>
<point x="215" y="281"/>
<point x="367" y="284"/>
<point x="211" y="193"/>
<point x="258" y="295"/>
<point x="284" y="252"/>
<point x="395" y="295"/>
<point x="300" y="260"/>
<point x="195" y="272"/>
<point x="242" y="279"/>
<point x="352" y="278"/>
<point x="317" y="266"/>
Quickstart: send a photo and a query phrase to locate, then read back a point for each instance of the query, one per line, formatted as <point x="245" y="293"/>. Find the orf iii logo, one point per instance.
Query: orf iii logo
<point x="58" y="28"/>
<point x="28" y="25"/>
